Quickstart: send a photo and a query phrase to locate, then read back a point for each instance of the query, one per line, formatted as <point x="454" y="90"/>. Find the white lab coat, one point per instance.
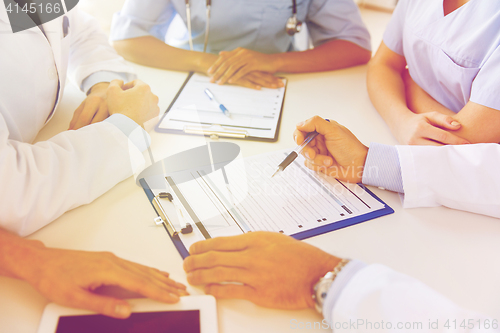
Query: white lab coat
<point x="41" y="181"/>
<point x="378" y="299"/>
<point x="463" y="177"/>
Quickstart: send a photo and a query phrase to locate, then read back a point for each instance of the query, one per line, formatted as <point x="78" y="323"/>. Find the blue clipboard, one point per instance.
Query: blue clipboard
<point x="179" y="245"/>
<point x="348" y="222"/>
<point x="299" y="236"/>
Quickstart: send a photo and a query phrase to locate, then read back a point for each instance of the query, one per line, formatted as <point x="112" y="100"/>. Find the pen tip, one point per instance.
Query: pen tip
<point x="275" y="172"/>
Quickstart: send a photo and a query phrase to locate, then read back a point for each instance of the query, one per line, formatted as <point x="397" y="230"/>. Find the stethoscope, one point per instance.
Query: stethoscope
<point x="293" y="25"/>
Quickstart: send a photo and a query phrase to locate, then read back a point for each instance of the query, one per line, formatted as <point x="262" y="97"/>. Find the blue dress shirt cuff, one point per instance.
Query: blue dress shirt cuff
<point x="342" y="279"/>
<point x="382" y="168"/>
<point x="135" y="133"/>
<point x="101" y="76"/>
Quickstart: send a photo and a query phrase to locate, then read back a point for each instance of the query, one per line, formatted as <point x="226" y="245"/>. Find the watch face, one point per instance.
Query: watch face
<point x="321" y="291"/>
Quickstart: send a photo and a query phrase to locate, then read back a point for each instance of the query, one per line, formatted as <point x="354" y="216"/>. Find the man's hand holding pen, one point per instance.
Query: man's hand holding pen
<point x="335" y="151"/>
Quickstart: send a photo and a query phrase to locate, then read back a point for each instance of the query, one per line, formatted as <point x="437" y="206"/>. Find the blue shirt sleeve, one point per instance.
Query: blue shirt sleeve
<point x="382" y="168"/>
<point x="340" y="19"/>
<point x="140" y="18"/>
<point x="135" y="133"/>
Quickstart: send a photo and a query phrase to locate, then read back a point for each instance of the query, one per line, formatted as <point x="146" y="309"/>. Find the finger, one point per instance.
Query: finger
<point x="309" y="153"/>
<point x="156" y="278"/>
<point x="321" y="145"/>
<point x="212" y="259"/>
<point x="318" y="124"/>
<point x="262" y="80"/>
<point x="233" y="243"/>
<point x="133" y="84"/>
<point x="442" y="136"/>
<point x="220" y="71"/>
<point x="90" y="109"/>
<point x="220" y="60"/>
<point x="247" y="84"/>
<point x="152" y="273"/>
<point x="105" y="305"/>
<point x="323" y="160"/>
<point x="271" y="78"/>
<point x="117" y="84"/>
<point x="425" y="142"/>
<point x="231" y="71"/>
<point x="444" y="121"/>
<point x="76" y="115"/>
<point x="101" y="114"/>
<point x="299" y="136"/>
<point x="141" y="285"/>
<point x="218" y="275"/>
<point x="230" y="291"/>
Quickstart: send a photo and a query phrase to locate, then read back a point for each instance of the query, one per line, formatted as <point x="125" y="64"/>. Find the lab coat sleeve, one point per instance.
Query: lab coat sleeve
<point x="340" y="19"/>
<point x="90" y="51"/>
<point x="42" y="181"/>
<point x="378" y="299"/>
<point x="463" y="177"/>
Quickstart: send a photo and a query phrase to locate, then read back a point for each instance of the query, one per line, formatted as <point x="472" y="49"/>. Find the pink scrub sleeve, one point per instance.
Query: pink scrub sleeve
<point x="486" y="86"/>
<point x="393" y="36"/>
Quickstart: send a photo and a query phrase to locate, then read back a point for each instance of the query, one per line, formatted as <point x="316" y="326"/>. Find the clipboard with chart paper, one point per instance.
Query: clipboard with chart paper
<point x="242" y="197"/>
<point x="255" y="114"/>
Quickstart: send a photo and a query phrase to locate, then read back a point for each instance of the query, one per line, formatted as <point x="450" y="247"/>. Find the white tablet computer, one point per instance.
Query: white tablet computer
<point x="193" y="314"/>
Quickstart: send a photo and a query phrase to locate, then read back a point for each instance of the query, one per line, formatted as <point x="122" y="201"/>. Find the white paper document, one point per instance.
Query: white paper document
<point x="254" y="113"/>
<point x="294" y="201"/>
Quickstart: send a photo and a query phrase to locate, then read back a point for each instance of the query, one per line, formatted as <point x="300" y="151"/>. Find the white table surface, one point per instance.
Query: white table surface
<point x="453" y="252"/>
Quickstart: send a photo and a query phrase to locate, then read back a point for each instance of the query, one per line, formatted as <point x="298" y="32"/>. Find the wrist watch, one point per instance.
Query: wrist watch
<point x="320" y="289"/>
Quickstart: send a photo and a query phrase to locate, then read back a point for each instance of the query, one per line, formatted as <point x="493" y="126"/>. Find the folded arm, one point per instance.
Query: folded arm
<point x="480" y="123"/>
<point x="431" y="123"/>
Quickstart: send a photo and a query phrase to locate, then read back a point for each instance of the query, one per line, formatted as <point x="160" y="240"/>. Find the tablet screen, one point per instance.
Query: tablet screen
<point x="139" y="322"/>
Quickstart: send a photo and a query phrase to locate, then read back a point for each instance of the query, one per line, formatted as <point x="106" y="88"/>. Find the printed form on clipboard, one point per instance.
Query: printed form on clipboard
<point x="254" y="114"/>
<point x="242" y="197"/>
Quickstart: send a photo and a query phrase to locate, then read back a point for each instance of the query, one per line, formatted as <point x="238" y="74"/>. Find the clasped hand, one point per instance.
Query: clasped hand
<point x="133" y="99"/>
<point x="430" y="128"/>
<point x="246" y="68"/>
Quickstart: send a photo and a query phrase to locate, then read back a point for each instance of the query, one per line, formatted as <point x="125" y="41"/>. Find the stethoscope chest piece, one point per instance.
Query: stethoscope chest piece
<point x="293" y="25"/>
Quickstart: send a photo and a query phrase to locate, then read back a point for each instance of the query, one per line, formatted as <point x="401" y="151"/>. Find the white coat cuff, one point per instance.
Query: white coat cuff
<point x="382" y="168"/>
<point x="342" y="279"/>
<point x="101" y="76"/>
<point x="135" y="133"/>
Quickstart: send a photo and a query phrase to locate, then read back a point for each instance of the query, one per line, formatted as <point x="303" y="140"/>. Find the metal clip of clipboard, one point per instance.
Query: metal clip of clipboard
<point x="218" y="131"/>
<point x="163" y="217"/>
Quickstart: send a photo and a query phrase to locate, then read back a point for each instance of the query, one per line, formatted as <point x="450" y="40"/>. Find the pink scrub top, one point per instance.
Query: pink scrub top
<point x="454" y="58"/>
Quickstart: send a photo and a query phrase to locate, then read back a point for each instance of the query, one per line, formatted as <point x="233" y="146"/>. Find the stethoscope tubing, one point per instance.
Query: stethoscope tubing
<point x="207" y="26"/>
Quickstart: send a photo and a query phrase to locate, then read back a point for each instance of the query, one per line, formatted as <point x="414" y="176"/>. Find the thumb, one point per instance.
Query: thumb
<point x="116" y="84"/>
<point x="115" y="87"/>
<point x="318" y="124"/>
<point x="443" y="121"/>
<point x="107" y="306"/>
